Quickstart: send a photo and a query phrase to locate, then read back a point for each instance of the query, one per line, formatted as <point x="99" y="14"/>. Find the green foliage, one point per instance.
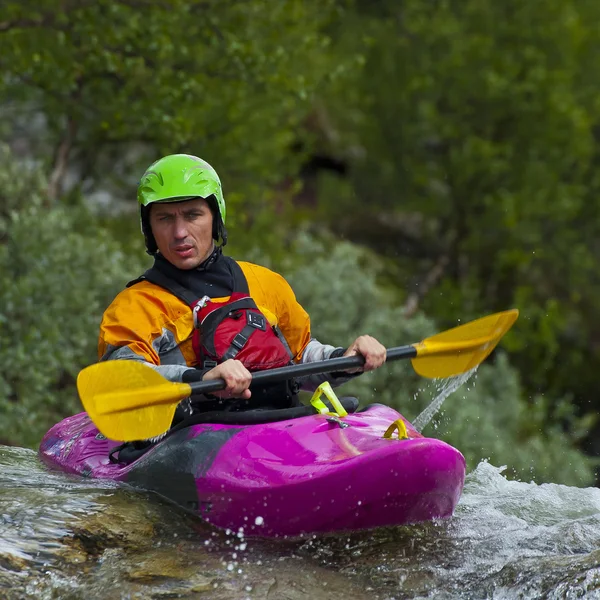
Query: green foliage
<point x="121" y="83"/>
<point x="57" y="274"/>
<point x="470" y="138"/>
<point x="488" y="417"/>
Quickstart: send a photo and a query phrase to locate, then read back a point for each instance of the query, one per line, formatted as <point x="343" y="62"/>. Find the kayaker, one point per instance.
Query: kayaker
<point x="247" y="315"/>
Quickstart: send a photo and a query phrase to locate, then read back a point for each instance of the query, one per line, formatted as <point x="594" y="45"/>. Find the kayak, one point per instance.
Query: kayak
<point x="313" y="474"/>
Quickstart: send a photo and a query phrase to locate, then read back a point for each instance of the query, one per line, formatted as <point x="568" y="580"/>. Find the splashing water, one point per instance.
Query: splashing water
<point x="65" y="537"/>
<point x="446" y="387"/>
<point x="508" y="540"/>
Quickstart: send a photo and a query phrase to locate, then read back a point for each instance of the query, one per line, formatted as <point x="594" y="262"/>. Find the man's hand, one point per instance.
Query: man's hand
<point x="235" y="375"/>
<point x="372" y="351"/>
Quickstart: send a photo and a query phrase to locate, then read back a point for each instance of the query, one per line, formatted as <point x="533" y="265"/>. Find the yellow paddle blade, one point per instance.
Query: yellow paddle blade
<point x="128" y="400"/>
<point x="461" y="349"/>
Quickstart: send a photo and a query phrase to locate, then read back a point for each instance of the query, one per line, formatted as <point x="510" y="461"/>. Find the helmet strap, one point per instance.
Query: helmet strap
<point x="151" y="247"/>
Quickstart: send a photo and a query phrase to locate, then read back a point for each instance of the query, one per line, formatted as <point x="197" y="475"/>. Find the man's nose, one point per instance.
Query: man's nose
<point x="180" y="229"/>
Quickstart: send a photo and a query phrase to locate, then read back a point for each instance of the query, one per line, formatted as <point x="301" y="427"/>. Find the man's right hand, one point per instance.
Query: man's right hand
<point x="236" y="377"/>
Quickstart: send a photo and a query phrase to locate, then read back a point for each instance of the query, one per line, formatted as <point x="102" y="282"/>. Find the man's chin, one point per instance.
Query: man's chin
<point x="184" y="263"/>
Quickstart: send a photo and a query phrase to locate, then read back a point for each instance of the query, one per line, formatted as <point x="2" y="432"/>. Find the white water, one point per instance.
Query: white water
<point x="507" y="540"/>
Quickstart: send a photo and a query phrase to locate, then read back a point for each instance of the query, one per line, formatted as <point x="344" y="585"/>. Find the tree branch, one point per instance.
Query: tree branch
<point x="61" y="161"/>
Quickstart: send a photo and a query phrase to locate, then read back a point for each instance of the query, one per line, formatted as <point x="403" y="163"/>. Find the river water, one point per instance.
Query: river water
<point x="68" y="538"/>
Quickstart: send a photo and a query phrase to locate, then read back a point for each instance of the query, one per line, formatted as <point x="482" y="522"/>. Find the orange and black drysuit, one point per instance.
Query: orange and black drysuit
<point x="148" y="323"/>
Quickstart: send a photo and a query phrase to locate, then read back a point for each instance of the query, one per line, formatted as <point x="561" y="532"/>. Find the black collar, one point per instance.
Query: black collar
<point x="213" y="277"/>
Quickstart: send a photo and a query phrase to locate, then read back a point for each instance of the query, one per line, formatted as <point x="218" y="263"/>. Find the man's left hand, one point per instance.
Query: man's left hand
<point x="372" y="351"/>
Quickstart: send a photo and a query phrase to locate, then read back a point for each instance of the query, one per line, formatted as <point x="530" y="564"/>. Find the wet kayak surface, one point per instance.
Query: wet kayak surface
<point x="313" y="474"/>
<point x="62" y="536"/>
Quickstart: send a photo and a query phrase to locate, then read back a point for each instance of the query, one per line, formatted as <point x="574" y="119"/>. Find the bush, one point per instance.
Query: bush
<point x="57" y="274"/>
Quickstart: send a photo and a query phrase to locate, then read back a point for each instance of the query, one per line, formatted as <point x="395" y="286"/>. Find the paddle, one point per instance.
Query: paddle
<point x="128" y="400"/>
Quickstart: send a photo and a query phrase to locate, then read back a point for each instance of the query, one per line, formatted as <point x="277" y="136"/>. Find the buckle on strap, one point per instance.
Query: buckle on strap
<point x="256" y="320"/>
<point x="239" y="341"/>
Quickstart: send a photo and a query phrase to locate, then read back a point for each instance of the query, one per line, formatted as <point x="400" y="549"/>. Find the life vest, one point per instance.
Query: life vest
<point x="234" y="329"/>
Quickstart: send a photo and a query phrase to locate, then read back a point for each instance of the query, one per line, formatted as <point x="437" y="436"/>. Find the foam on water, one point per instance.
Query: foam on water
<point x="507" y="540"/>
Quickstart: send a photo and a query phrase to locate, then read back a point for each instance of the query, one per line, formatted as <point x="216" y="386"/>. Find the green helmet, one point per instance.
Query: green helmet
<point x="176" y="178"/>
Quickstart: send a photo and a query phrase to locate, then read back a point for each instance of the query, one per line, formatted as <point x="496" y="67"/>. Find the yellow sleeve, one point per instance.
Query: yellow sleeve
<point x="144" y="319"/>
<point x="271" y="291"/>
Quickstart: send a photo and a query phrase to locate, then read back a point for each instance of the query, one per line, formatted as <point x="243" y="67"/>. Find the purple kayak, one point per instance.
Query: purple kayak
<point x="312" y="474"/>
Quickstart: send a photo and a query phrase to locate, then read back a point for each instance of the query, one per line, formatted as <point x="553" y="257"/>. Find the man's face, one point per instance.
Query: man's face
<point x="183" y="231"/>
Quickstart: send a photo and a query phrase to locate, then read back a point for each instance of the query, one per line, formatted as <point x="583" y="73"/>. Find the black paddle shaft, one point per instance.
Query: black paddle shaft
<point x="303" y="370"/>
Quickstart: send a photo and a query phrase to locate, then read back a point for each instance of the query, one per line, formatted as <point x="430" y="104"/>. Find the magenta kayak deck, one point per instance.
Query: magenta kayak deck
<point x="306" y="475"/>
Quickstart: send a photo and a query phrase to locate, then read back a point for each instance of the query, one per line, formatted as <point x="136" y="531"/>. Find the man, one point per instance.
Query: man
<point x="198" y="314"/>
